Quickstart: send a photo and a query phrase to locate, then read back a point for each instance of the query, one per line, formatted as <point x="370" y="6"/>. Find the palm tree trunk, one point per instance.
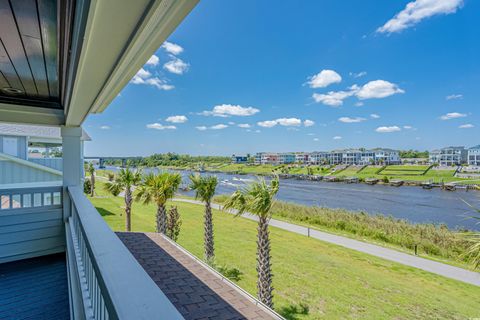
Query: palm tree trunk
<point x="264" y="269"/>
<point x="161" y="219"/>
<point x="128" y="209"/>
<point x="208" y="233"/>
<point x="92" y="185"/>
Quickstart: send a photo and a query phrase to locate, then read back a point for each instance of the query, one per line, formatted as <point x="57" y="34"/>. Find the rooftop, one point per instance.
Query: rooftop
<point x="194" y="289"/>
<point x="25" y="130"/>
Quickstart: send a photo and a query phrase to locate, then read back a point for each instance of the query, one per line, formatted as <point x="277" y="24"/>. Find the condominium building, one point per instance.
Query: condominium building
<point x="286" y="158"/>
<point x="335" y="157"/>
<point x="386" y="156"/>
<point x="319" y="157"/>
<point x="347" y="156"/>
<point x="367" y="157"/>
<point x="474" y="156"/>
<point x="302" y="157"/>
<point x="449" y="156"/>
<point x="351" y="156"/>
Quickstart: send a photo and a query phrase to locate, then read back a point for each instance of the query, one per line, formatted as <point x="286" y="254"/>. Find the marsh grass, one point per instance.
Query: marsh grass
<point x="433" y="240"/>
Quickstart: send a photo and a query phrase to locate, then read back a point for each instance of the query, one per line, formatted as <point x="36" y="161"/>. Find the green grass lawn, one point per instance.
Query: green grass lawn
<point x="329" y="281"/>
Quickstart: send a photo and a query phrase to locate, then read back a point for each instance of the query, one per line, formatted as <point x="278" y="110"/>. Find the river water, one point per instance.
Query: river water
<point x="411" y="203"/>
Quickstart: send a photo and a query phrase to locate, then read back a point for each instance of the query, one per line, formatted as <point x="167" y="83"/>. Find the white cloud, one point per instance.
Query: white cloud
<point x="153" y="61"/>
<point x="227" y="110"/>
<point x="408" y="127"/>
<point x="244" y="125"/>
<point x="324" y="78"/>
<point x="453" y="115"/>
<point x="231" y="123"/>
<point x="337" y="138"/>
<point x="177" y="66"/>
<point x="310" y="134"/>
<point x="351" y="120"/>
<point x="159" y="126"/>
<point x="201" y="128"/>
<point x="159" y="84"/>
<point x="145" y="77"/>
<point x="466" y="126"/>
<point x="141" y="76"/>
<point x="335" y="98"/>
<point x="388" y="129"/>
<point x="359" y="104"/>
<point x="418" y="10"/>
<point x="257" y="131"/>
<point x="219" y="126"/>
<point x="308" y="123"/>
<point x="287" y="122"/>
<point x="316" y="139"/>
<point x="377" y="89"/>
<point x="358" y="74"/>
<point x="268" y="123"/>
<point x="177" y="119"/>
<point x="454" y="96"/>
<point x="172" y="48"/>
<point x="374" y="116"/>
<point x="105" y="127"/>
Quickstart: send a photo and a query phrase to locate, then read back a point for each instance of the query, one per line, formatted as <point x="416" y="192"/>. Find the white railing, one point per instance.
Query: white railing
<point x="30" y="198"/>
<point x="106" y="281"/>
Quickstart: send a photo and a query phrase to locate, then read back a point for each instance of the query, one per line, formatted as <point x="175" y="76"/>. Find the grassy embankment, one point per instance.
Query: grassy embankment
<point x="393" y="172"/>
<point x="313" y="279"/>
<point x="433" y="242"/>
<point x="400" y="172"/>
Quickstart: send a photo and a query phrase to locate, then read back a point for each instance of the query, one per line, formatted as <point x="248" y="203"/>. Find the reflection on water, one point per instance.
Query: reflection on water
<point x="412" y="203"/>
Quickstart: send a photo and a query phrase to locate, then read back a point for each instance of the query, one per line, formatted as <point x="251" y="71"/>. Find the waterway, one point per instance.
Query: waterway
<point x="411" y="203"/>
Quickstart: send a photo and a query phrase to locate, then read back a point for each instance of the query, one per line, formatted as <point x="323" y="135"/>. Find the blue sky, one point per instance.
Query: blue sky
<point x="247" y="76"/>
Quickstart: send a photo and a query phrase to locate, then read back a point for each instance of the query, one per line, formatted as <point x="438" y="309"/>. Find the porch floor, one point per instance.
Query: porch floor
<point x="194" y="290"/>
<point x="34" y="288"/>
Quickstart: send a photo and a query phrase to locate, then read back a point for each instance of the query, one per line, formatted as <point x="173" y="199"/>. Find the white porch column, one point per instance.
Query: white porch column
<point x="72" y="150"/>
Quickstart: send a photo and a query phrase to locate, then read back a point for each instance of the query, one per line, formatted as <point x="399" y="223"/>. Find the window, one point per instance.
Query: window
<point x="10" y="146"/>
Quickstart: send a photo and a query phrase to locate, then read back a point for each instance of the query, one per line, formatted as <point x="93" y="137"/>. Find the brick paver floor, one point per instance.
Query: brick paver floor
<point x="194" y="290"/>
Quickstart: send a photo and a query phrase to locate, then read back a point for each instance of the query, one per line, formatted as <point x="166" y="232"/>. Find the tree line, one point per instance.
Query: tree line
<point x="168" y="159"/>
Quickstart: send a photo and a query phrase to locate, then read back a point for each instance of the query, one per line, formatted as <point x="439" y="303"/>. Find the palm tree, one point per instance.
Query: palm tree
<point x="159" y="188"/>
<point x="205" y="190"/>
<point x="124" y="181"/>
<point x="258" y="199"/>
<point x="91" y="171"/>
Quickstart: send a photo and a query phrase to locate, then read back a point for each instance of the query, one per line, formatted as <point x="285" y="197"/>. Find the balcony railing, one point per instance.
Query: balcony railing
<point x="54" y="163"/>
<point x="105" y="279"/>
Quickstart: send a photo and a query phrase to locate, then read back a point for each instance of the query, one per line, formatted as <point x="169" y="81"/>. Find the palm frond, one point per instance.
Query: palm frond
<point x="256" y="198"/>
<point x="204" y="186"/>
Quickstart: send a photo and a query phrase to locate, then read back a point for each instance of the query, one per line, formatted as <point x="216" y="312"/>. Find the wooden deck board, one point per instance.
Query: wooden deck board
<point x="34" y="289"/>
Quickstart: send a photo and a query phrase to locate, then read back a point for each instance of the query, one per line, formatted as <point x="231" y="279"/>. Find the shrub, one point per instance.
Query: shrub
<point x="87" y="186"/>
<point x="173" y="223"/>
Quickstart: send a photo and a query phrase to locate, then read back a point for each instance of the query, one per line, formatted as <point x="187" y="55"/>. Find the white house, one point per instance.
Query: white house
<point x="21" y="140"/>
<point x="449" y="156"/>
<point x="386" y="156"/>
<point x="474" y="156"/>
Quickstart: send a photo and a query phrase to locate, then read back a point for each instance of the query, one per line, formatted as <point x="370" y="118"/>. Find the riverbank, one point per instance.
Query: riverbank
<point x="312" y="279"/>
<point x="431" y="241"/>
<point x="396" y="175"/>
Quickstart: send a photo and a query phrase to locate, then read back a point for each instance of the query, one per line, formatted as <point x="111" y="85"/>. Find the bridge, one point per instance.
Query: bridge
<point x="101" y="160"/>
